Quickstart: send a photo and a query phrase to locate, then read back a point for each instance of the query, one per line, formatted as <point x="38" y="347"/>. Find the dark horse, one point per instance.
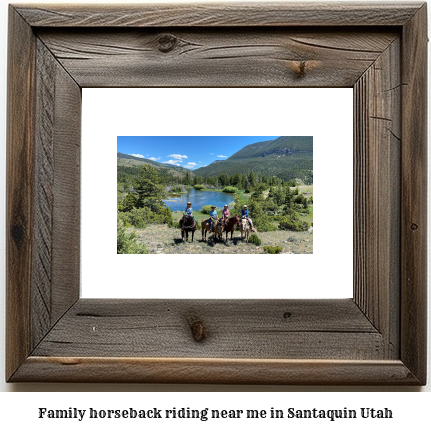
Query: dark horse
<point x="187" y="224"/>
<point x="229" y="225"/>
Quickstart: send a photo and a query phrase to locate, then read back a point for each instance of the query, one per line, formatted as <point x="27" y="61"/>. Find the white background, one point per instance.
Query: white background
<point x="20" y="409"/>
<point x="325" y="114"/>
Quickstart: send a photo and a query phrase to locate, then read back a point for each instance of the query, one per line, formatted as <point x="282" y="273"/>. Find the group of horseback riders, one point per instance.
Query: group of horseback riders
<point x="214" y="216"/>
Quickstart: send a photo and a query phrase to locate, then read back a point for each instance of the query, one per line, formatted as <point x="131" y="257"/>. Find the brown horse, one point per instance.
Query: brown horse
<point x="206" y="228"/>
<point x="230" y="224"/>
<point x="218" y="229"/>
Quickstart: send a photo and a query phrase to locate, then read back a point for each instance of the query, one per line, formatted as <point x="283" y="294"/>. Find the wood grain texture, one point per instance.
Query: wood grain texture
<point x="220" y="14"/>
<point x="66" y="189"/>
<point x="414" y="195"/>
<point x="238" y="329"/>
<point x="377" y="149"/>
<point x="55" y="278"/>
<point x="216" y="57"/>
<point x="215" y="371"/>
<point x="43" y="194"/>
<point x="19" y="200"/>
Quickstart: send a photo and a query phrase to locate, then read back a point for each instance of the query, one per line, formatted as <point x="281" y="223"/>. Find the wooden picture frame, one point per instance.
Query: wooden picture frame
<point x="378" y="337"/>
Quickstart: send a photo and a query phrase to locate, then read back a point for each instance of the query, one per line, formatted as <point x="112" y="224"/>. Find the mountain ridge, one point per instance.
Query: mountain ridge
<point x="287" y="157"/>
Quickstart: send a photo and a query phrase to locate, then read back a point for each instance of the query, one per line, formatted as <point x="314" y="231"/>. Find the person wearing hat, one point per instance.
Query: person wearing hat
<point x="213" y="216"/>
<point x="244" y="213"/>
<point x="188" y="211"/>
<point x="225" y="212"/>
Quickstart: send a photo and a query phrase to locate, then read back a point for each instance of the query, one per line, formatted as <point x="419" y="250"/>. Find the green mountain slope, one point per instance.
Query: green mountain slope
<point x="128" y="168"/>
<point x="128" y="160"/>
<point x="287" y="157"/>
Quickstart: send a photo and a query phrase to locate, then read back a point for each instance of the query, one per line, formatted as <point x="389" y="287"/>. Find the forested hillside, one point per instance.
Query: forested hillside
<point x="287" y="157"/>
<point x="128" y="168"/>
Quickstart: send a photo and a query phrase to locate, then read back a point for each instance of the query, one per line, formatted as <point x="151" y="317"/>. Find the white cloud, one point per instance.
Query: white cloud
<point x="222" y="156"/>
<point x="173" y="162"/>
<point x="212" y="154"/>
<point x="137" y="155"/>
<point x="177" y="156"/>
<point x="190" y="165"/>
<point x="154" y="159"/>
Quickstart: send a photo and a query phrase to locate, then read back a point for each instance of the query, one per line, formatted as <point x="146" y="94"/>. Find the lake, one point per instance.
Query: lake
<point x="198" y="200"/>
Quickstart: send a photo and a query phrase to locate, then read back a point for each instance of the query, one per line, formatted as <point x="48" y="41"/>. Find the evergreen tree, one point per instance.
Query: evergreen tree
<point x="187" y="179"/>
<point x="149" y="190"/>
<point x="279" y="196"/>
<point x="128" y="203"/>
<point x="224" y="179"/>
<point x="252" y="179"/>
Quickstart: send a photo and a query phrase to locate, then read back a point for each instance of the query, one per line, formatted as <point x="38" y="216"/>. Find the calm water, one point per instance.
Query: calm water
<point x="198" y="200"/>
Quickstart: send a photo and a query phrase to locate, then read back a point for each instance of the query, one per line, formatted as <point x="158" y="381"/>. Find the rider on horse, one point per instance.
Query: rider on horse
<point x="225" y="212"/>
<point x="213" y="216"/>
<point x="244" y="213"/>
<point x="188" y="211"/>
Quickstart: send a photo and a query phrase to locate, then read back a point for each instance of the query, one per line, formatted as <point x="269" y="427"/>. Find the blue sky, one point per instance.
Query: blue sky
<point x="190" y="152"/>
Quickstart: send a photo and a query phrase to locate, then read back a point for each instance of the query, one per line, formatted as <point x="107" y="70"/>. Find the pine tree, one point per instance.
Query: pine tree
<point x="224" y="179"/>
<point x="252" y="178"/>
<point x="187" y="179"/>
<point x="150" y="192"/>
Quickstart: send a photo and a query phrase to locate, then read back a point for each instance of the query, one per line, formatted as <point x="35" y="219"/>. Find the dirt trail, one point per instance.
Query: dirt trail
<point x="161" y="239"/>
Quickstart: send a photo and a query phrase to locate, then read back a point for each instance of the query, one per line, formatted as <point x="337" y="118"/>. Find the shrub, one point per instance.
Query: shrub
<point x="229" y="189"/>
<point x="127" y="203"/>
<point x="260" y="220"/>
<point x="254" y="239"/>
<point x="161" y="214"/>
<point x="127" y="243"/>
<point x="300" y="199"/>
<point x="263" y="224"/>
<point x="199" y="187"/>
<point x="293" y="222"/>
<point x="272" y="249"/>
<point x="137" y="217"/>
<point x="206" y="209"/>
<point x="140" y="217"/>
<point x="269" y="205"/>
<point x="289" y="212"/>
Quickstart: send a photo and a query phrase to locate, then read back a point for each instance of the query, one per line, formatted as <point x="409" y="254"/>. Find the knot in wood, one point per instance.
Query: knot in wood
<point x="301" y="69"/>
<point x="18" y="233"/>
<point x="167" y="42"/>
<point x="197" y="328"/>
<point x="414" y="226"/>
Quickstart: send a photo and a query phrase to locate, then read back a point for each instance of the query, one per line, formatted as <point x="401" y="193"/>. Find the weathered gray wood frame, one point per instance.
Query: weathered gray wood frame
<point x="378" y="337"/>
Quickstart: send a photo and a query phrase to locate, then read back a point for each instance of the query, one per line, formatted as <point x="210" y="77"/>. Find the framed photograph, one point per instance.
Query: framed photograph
<point x="375" y="337"/>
